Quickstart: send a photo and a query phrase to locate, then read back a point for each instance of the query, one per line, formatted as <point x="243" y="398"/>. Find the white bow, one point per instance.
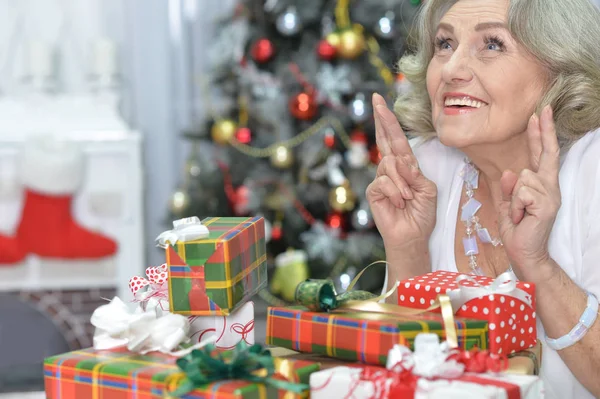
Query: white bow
<point x="184" y="230"/>
<point x="140" y="331"/>
<point x="429" y="360"/>
<point x="504" y="284"/>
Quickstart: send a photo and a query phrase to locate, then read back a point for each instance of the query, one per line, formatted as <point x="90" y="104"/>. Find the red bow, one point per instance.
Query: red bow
<point x="157" y="276"/>
<point x="480" y="361"/>
<point x="157" y="279"/>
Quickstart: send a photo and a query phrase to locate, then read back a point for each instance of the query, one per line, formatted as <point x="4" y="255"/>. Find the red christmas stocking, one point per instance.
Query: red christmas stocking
<point x="10" y="251"/>
<point x="52" y="172"/>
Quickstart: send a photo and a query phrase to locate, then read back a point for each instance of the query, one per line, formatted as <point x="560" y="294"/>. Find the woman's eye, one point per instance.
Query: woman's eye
<point x="443" y="44"/>
<point x="494" y="43"/>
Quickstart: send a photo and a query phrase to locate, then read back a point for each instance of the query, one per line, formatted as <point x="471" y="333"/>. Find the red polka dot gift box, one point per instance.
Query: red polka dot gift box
<point x="507" y="304"/>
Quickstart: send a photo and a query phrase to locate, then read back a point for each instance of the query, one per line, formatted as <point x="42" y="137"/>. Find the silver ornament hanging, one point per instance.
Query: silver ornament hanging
<point x="342" y="282"/>
<point x="362" y="218"/>
<point x="384" y="28"/>
<point x="289" y="23"/>
<point x="360" y="109"/>
<point x="179" y="202"/>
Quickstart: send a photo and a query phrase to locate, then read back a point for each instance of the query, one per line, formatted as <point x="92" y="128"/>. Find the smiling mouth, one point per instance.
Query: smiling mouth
<point x="463" y="102"/>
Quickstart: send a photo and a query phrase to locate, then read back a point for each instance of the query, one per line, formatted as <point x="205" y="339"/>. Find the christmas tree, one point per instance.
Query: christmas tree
<point x="291" y="134"/>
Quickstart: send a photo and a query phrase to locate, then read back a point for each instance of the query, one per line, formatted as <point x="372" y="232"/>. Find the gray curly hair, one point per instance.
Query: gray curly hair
<point x="563" y="35"/>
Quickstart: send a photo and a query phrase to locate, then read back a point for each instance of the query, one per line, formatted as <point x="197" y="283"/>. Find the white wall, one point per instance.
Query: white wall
<point x="71" y="26"/>
<point x="154" y="59"/>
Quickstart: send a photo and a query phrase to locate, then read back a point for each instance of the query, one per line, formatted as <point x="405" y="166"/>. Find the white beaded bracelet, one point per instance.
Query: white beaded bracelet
<point x="578" y="332"/>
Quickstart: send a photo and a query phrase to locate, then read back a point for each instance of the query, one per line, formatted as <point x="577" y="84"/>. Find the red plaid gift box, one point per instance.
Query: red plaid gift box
<point x="119" y="374"/>
<point x="507" y="304"/>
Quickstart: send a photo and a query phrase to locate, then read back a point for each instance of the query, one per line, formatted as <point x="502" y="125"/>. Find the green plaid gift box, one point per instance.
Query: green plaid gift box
<point x="218" y="274"/>
<point x="362" y="337"/>
<point x="118" y="374"/>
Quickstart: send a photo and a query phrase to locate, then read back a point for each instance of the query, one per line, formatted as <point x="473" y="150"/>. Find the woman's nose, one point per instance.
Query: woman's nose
<point x="458" y="67"/>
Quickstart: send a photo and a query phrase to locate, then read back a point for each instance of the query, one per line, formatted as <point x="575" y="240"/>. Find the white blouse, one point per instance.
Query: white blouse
<point x="574" y="242"/>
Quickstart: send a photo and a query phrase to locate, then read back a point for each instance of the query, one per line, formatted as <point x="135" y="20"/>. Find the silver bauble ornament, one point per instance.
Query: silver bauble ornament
<point x="362" y="218"/>
<point x="179" y="202"/>
<point x="342" y="281"/>
<point x="360" y="109"/>
<point x="289" y="22"/>
<point x="384" y="28"/>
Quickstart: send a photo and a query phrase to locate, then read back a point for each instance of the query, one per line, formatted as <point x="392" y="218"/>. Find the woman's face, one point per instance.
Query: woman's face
<point x="482" y="84"/>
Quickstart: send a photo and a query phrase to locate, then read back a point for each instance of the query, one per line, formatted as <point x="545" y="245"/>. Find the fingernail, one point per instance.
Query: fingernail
<point x="407" y="193"/>
<point x="378" y="99"/>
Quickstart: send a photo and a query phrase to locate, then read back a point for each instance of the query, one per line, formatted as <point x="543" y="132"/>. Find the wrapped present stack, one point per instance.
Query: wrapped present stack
<point x="188" y="332"/>
<point x="481" y="321"/>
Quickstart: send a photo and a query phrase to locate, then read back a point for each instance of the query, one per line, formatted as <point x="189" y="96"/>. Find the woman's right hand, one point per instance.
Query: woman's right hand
<point x="403" y="201"/>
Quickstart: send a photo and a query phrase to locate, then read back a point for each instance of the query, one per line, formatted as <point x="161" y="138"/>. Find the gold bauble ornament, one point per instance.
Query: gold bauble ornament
<point x="352" y="44"/>
<point x="282" y="158"/>
<point x="179" y="202"/>
<point x="333" y="39"/>
<point x="341" y="198"/>
<point x="223" y="131"/>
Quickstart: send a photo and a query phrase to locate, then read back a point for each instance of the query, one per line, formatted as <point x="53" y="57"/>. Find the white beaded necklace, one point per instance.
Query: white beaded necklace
<point x="470" y="176"/>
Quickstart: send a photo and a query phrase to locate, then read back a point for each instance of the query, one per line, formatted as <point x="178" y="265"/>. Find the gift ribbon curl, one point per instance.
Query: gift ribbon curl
<point x="320" y="296"/>
<point x="250" y="363"/>
<point x="504" y="284"/>
<point x="243" y="329"/>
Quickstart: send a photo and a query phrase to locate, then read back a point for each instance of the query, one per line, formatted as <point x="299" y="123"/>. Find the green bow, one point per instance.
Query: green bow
<point x="205" y="366"/>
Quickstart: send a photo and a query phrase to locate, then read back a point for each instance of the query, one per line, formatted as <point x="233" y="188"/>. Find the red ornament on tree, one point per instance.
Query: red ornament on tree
<point x="326" y="50"/>
<point x="243" y="135"/>
<point x="303" y="106"/>
<point x="262" y="51"/>
<point x="329" y="139"/>
<point x="335" y="221"/>
<point x="241" y="199"/>
<point x="276" y="231"/>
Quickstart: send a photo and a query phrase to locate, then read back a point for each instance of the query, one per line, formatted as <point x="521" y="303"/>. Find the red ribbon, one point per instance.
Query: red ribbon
<point x="399" y="382"/>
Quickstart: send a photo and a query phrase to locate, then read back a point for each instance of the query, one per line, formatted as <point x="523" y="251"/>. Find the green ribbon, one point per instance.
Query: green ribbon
<point x="206" y="366"/>
<point x="320" y="295"/>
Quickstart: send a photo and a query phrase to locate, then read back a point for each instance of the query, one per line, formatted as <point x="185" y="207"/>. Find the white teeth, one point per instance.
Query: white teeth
<point x="464" y="101"/>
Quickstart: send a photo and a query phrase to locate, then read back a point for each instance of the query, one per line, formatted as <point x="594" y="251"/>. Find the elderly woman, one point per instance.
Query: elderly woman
<point x="505" y="101"/>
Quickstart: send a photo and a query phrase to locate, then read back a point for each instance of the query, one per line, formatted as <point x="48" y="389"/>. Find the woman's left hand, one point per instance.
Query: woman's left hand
<point x="531" y="200"/>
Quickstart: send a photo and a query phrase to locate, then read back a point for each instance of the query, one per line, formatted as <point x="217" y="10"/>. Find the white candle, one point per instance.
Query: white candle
<point x="104" y="58"/>
<point x="40" y="60"/>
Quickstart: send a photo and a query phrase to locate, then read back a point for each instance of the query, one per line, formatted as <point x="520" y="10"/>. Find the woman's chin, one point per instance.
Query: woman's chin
<point x="453" y="139"/>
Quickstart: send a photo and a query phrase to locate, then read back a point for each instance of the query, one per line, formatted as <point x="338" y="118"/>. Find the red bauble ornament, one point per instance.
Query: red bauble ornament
<point x="243" y="135"/>
<point x="358" y="136"/>
<point x="329" y="139"/>
<point x="262" y="51"/>
<point x="335" y="221"/>
<point x="241" y="199"/>
<point x="326" y="50"/>
<point x="375" y="155"/>
<point x="303" y="106"/>
<point x="276" y="231"/>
